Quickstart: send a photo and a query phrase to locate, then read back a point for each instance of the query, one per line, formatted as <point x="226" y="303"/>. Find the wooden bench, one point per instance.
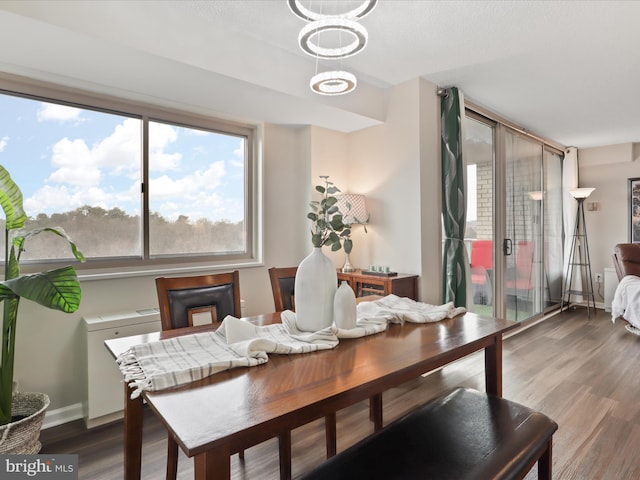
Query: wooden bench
<point x="465" y="434"/>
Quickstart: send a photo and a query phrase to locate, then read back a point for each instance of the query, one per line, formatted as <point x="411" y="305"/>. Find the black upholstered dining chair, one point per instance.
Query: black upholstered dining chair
<point x="180" y="300"/>
<point x="283" y="281"/>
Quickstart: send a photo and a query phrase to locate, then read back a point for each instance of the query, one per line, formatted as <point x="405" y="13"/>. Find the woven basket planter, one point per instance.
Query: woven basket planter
<point x="23" y="436"/>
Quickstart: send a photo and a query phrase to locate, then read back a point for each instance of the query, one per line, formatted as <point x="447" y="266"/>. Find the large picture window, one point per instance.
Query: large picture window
<point x="135" y="188"/>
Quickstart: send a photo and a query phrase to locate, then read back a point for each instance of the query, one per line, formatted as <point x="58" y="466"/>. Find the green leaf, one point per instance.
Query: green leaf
<point x="336" y="224"/>
<point x="332" y="210"/>
<point x="333" y="189"/>
<point x="12" y="268"/>
<point x="330" y="201"/>
<point x="312" y="216"/>
<point x="58" y="289"/>
<point x="316" y="240"/>
<point x="5" y="292"/>
<point x="320" y="189"/>
<point x="11" y="200"/>
<point x="335" y="247"/>
<point x="20" y="240"/>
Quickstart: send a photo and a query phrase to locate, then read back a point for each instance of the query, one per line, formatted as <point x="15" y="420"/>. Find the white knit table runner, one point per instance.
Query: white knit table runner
<point x="177" y="361"/>
<point x="396" y="309"/>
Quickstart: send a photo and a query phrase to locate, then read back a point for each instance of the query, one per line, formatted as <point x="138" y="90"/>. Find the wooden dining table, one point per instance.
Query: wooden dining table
<point x="232" y="410"/>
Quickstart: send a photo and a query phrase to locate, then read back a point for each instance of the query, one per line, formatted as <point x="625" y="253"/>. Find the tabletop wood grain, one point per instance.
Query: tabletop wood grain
<point x="245" y="406"/>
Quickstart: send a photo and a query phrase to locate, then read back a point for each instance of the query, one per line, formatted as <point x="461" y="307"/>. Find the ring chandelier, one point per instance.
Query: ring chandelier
<point x="316" y="28"/>
<point x="309" y="15"/>
<point x="336" y="82"/>
<point x="333" y="83"/>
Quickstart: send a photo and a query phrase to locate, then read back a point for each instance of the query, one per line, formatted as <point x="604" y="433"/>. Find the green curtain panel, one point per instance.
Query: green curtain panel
<point x="454" y="204"/>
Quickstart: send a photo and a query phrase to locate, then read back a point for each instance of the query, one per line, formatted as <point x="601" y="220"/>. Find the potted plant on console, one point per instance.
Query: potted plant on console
<point x="22" y="414"/>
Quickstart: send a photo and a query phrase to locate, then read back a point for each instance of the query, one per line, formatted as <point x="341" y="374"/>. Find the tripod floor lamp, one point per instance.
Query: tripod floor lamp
<point x="579" y="262"/>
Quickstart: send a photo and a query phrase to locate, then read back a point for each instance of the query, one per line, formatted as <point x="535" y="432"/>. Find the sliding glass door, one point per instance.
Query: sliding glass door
<point x="552" y="228"/>
<point x="478" y="154"/>
<point x="524" y="233"/>
<point x="514" y="220"/>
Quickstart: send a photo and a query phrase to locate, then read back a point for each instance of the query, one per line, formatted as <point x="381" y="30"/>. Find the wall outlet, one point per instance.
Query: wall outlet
<point x="598" y="278"/>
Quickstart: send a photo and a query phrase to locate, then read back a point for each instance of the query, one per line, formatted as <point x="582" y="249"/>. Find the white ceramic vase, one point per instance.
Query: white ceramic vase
<point x="315" y="287"/>
<point x="344" y="307"/>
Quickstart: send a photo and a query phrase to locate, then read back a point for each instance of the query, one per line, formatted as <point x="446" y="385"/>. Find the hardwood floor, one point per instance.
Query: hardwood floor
<point x="580" y="371"/>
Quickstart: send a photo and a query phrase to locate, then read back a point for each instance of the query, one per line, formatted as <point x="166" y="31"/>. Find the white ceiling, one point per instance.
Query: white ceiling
<point x="566" y="70"/>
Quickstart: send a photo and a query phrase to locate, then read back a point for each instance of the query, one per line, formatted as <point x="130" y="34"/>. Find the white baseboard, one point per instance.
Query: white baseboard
<point x="56" y="417"/>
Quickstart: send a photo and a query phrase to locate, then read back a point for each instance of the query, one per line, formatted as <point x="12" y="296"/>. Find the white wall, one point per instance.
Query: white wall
<point x="396" y="165"/>
<point x="329" y="156"/>
<point x="608" y="169"/>
<point x="430" y="194"/>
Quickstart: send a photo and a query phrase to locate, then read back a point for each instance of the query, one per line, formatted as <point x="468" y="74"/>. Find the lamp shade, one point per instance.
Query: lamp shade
<point x="353" y="208"/>
<point x="581" y="192"/>
<point x="537" y="195"/>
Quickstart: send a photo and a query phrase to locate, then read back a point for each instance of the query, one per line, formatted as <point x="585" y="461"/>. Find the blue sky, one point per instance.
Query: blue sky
<point x="63" y="158"/>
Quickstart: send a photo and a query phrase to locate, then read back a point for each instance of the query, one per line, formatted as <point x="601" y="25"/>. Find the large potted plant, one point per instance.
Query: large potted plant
<point x="316" y="279"/>
<point x="21" y="414"/>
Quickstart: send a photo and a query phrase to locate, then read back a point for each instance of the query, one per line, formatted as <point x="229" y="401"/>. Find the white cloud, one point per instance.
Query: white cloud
<point x="119" y="153"/>
<point x="165" y="187"/>
<point x="239" y="154"/>
<point x="203" y="205"/>
<point x="80" y="169"/>
<point x="60" y="113"/>
<point x="161" y="135"/>
<point x="160" y="161"/>
<point x="74" y="162"/>
<point x="51" y="199"/>
<point x="192" y="195"/>
<point x="3" y="143"/>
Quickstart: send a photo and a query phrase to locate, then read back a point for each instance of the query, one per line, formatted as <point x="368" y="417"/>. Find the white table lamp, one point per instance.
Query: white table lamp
<point x="353" y="208"/>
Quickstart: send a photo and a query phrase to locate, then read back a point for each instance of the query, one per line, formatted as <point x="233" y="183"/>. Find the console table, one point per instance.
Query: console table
<point x="402" y="284"/>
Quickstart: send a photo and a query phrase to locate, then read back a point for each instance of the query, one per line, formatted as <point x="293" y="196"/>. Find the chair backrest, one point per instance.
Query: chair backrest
<point x="524" y="259"/>
<point x="282" y="285"/>
<point x="181" y="298"/>
<point x="482" y="254"/>
<point x="626" y="259"/>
